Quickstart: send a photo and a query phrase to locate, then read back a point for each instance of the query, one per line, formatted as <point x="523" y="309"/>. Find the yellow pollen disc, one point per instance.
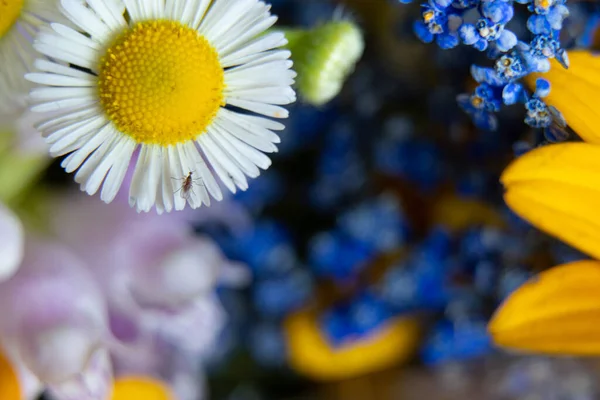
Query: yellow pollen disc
<point x="140" y="388"/>
<point x="544" y="3"/>
<point x="161" y="82"/>
<point x="10" y="10"/>
<point x="428" y="16"/>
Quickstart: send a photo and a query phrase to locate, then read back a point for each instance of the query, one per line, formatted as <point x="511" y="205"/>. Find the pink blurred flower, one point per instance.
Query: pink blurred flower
<point x="55" y="317"/>
<point x="158" y="278"/>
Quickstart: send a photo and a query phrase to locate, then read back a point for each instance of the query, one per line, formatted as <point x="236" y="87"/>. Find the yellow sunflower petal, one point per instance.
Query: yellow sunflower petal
<point x="140" y="388"/>
<point x="557" y="189"/>
<point x="573" y="92"/>
<point x="558" y="312"/>
<point x="9" y="380"/>
<point x="311" y="354"/>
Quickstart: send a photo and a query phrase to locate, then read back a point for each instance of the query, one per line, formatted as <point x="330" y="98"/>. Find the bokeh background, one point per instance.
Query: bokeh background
<point x="378" y="245"/>
<point x="385" y="206"/>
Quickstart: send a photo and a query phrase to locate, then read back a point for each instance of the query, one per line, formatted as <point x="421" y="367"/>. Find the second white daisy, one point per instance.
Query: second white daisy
<point x="19" y="20"/>
<point x="179" y="82"/>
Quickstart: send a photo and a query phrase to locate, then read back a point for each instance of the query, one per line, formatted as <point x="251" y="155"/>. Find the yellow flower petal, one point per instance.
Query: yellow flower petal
<point x="9" y="380"/>
<point x="573" y="92"/>
<point x="557" y="189"/>
<point x="312" y="355"/>
<point x="140" y="388"/>
<point x="557" y="312"/>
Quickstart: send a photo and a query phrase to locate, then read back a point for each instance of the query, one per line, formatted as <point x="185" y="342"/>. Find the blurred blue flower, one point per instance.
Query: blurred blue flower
<point x="356" y="319"/>
<point x="265" y="190"/>
<point x="278" y="296"/>
<point x="266" y="248"/>
<point x="419" y="282"/>
<point x="340" y="170"/>
<point x="456" y="342"/>
<point x="335" y="256"/>
<point x="267" y="344"/>
<point x="510" y="280"/>
<point x="415" y="159"/>
<point x="367" y="313"/>
<point x="383" y="215"/>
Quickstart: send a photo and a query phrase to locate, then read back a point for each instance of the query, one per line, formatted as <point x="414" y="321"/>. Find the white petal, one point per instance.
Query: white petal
<point x="232" y="153"/>
<point x="250" y="138"/>
<point x="92" y="183"/>
<point x="110" y="13"/>
<point x="74" y="160"/>
<point x="270" y="95"/>
<point x="49" y="66"/>
<point x="87" y="20"/>
<point x="167" y="183"/>
<point x="259" y="108"/>
<point x="224" y="160"/>
<point x="254" y="156"/>
<point x="230" y="16"/>
<point x="59" y="80"/>
<point x="142" y="193"/>
<point x="74" y="36"/>
<point x="249" y="31"/>
<point x="263" y="43"/>
<point x="94" y="169"/>
<point x="254" y="120"/>
<point x="115" y="176"/>
<point x="220" y="171"/>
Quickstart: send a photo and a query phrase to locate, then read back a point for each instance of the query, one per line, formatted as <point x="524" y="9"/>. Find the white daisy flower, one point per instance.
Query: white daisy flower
<point x="19" y="21"/>
<point x="176" y="79"/>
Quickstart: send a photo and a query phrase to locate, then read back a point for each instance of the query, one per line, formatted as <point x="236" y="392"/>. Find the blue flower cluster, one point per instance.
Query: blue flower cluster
<point x="449" y="273"/>
<point x="343" y="253"/>
<point x="365" y="245"/>
<point x="482" y="24"/>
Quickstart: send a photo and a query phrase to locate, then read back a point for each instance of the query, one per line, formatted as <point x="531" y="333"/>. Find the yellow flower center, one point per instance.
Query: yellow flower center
<point x="9" y="13"/>
<point x="161" y="82"/>
<point x="543" y="3"/>
<point x="140" y="388"/>
<point x="9" y="381"/>
<point x="476" y="101"/>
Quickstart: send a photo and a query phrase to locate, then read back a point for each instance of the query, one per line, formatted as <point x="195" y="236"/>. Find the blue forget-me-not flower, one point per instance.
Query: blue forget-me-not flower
<point x="448" y="23"/>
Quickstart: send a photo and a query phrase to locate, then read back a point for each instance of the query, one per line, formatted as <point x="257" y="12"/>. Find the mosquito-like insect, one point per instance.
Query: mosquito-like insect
<point x="187" y="185"/>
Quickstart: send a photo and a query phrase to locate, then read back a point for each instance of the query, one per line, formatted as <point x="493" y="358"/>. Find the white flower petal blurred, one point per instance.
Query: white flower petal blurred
<point x="11" y="243"/>
<point x="94" y="382"/>
<point x="27" y="140"/>
<point x="19" y="21"/>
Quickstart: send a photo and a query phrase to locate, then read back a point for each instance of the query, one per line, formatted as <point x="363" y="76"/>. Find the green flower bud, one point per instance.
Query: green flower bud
<point x="324" y="57"/>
